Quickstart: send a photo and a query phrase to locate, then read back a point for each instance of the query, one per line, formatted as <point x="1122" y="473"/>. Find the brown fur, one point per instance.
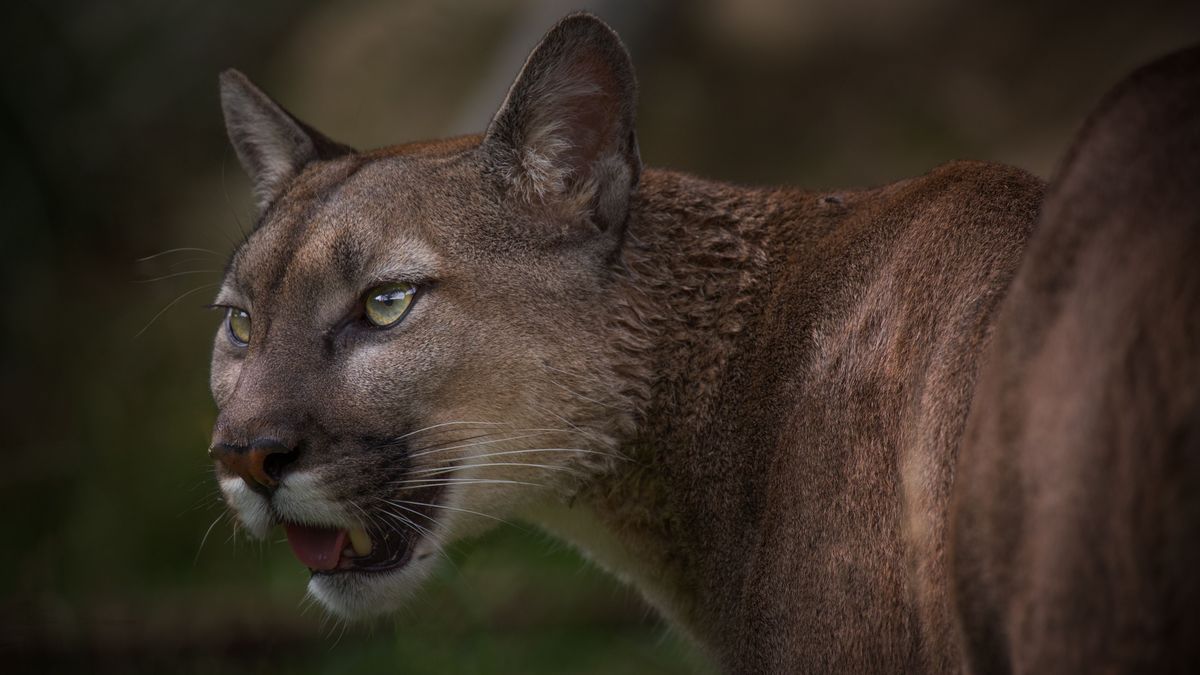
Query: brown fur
<point x="748" y="402"/>
<point x="814" y="367"/>
<point x="1078" y="536"/>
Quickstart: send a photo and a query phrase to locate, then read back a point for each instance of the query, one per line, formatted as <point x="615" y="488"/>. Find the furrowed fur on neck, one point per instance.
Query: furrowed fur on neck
<point x="740" y="313"/>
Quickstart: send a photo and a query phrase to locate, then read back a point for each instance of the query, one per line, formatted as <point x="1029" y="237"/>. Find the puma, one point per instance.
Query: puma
<point x="749" y="403"/>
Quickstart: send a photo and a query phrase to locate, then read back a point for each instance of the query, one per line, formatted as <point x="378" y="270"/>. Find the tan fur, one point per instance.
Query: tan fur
<point x="748" y="402"/>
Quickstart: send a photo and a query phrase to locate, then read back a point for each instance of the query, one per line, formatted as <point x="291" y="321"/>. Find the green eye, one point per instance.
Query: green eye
<point x="238" y="321"/>
<point x="388" y="304"/>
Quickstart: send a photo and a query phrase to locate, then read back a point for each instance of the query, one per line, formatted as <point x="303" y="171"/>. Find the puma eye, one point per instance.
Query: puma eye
<point x="238" y="321"/>
<point x="386" y="305"/>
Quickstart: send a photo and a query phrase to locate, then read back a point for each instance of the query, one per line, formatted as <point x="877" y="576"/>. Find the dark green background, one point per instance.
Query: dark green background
<point x="112" y="151"/>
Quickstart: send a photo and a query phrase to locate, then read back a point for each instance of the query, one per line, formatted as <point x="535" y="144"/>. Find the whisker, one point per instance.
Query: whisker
<point x="426" y="516"/>
<point x="345" y="627"/>
<point x="560" y="430"/>
<point x="424" y="531"/>
<point x="447" y="469"/>
<point x="233" y="535"/>
<point x="566" y="421"/>
<point x="517" y="430"/>
<point x="425" y="482"/>
<point x="471" y="445"/>
<point x="444" y="424"/>
<point x="451" y="508"/>
<point x="176" y="264"/>
<point x="307" y="602"/>
<point x="179" y="250"/>
<point x="431" y="446"/>
<point x="582" y="396"/>
<point x="581" y="451"/>
<point x="361" y="510"/>
<point x="580" y="376"/>
<point x="170" y="305"/>
<point x="204" y="539"/>
<point x="175" y="274"/>
<point x="206" y="502"/>
<point x="439" y="545"/>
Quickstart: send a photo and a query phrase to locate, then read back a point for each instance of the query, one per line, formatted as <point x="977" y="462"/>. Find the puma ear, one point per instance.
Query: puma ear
<point x="565" y="132"/>
<point x="272" y="145"/>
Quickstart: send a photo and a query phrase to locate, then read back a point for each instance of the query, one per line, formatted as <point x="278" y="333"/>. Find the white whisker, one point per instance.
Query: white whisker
<point x="471" y="445"/>
<point x="175" y="274"/>
<point x="586" y="398"/>
<point x="424" y="531"/>
<point x="175" y="265"/>
<point x="580" y="451"/>
<point x="203" y="539"/>
<point x="447" y="469"/>
<point x="170" y="305"/>
<point x="566" y="421"/>
<point x="179" y="250"/>
<point x="429" y="482"/>
<point x="397" y="502"/>
<point x="441" y="444"/>
<point x="439" y="545"/>
<point x="366" y="517"/>
<point x="443" y="424"/>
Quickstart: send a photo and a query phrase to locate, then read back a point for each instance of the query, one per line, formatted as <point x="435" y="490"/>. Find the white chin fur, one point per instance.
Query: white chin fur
<point x="362" y="595"/>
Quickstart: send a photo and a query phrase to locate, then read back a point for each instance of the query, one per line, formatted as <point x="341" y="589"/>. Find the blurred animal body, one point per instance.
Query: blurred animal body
<point x="750" y="403"/>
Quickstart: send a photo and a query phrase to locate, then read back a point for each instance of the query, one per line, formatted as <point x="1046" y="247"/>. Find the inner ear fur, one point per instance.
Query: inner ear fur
<point x="272" y="145"/>
<point x="565" y="133"/>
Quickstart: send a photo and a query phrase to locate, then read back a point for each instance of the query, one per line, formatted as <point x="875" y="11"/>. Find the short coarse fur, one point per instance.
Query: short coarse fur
<point x="747" y="402"/>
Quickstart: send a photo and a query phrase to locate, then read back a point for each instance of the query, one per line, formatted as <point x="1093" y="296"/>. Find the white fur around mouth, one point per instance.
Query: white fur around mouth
<point x="357" y="595"/>
<point x="374" y="570"/>
<point x="251" y="508"/>
<point x="299" y="499"/>
<point x="302" y="498"/>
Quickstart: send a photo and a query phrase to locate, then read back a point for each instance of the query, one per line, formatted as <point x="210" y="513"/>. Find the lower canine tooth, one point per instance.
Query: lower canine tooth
<point x="360" y="541"/>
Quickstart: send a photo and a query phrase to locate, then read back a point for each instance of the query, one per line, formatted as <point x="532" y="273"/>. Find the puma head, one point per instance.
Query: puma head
<point x="417" y="339"/>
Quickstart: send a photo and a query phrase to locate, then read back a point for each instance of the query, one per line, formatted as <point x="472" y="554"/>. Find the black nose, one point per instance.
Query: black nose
<point x="261" y="464"/>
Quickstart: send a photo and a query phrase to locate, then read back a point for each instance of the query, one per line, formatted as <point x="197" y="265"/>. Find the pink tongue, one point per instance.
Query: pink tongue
<point x="319" y="548"/>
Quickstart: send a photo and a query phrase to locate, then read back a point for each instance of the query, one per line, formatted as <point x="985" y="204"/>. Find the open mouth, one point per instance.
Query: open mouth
<point x="331" y="550"/>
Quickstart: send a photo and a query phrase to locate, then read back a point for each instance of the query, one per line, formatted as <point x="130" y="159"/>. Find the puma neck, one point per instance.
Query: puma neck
<point x="695" y="255"/>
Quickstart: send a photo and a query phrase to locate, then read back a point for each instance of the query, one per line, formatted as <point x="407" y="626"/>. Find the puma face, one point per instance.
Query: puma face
<point x="416" y="340"/>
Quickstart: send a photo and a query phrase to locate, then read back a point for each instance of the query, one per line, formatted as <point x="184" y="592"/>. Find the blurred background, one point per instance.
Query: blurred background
<point x="122" y="200"/>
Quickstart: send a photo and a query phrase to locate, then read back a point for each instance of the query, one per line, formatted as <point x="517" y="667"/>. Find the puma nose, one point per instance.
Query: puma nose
<point x="261" y="464"/>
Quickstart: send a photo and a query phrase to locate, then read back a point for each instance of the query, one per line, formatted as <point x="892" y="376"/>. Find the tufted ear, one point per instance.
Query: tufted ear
<point x="565" y="132"/>
<point x="271" y="144"/>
